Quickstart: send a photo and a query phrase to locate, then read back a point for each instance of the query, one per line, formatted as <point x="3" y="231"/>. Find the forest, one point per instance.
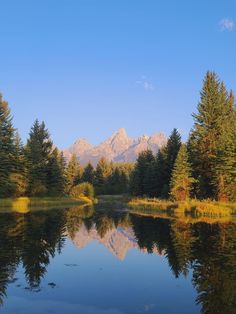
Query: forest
<point x="203" y="167"/>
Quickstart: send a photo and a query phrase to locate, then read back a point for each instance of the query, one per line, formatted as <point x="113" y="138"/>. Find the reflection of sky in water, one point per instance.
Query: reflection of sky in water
<point x="22" y="306"/>
<point x="92" y="280"/>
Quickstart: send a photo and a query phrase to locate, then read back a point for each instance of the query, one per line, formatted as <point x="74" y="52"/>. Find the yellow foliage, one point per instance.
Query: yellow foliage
<point x="205" y="209"/>
<point x="25" y="204"/>
<point x="21" y="205"/>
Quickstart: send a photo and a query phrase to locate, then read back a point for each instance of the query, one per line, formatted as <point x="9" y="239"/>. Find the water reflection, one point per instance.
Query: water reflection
<point x="208" y="249"/>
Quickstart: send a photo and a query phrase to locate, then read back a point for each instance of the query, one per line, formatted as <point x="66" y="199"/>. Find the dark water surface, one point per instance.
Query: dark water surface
<point x="80" y="260"/>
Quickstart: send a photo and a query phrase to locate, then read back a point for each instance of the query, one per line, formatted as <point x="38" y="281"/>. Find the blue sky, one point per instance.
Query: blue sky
<point x="89" y="67"/>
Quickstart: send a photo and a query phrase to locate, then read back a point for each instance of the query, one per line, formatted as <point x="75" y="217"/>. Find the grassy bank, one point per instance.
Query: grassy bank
<point x="205" y="208"/>
<point x="23" y="204"/>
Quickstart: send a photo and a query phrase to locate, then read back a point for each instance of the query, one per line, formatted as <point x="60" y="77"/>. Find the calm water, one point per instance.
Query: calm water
<point x="80" y="260"/>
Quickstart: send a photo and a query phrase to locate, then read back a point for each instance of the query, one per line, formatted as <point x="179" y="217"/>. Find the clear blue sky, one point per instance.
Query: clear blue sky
<point x="88" y="67"/>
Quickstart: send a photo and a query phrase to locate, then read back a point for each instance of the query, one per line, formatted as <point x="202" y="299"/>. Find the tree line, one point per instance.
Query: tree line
<point x="107" y="177"/>
<point x="203" y="167"/>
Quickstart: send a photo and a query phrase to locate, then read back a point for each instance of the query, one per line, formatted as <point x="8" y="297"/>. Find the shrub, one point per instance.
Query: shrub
<point x="83" y="189"/>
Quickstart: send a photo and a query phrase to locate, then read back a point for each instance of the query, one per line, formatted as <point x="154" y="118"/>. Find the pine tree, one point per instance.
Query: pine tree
<point x="73" y="172"/>
<point x="150" y="179"/>
<point x="103" y="170"/>
<point x="211" y="138"/>
<point x="88" y="174"/>
<point x="7" y="149"/>
<point x="18" y="176"/>
<point x="113" y="181"/>
<point x="181" y="181"/>
<point x="38" y="152"/>
<point x="225" y="178"/>
<point x="140" y="176"/>
<point x="56" y="174"/>
<point x="170" y="153"/>
<point x="160" y="174"/>
<point x="117" y="182"/>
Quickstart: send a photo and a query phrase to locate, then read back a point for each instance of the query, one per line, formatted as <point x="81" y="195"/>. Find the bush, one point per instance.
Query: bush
<point x="83" y="189"/>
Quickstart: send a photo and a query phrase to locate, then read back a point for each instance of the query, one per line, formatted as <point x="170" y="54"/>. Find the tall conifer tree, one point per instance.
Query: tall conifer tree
<point x="56" y="174"/>
<point x="170" y="153"/>
<point x="73" y="172"/>
<point x="7" y="149"/>
<point x="38" y="151"/>
<point x="19" y="174"/>
<point x="211" y="142"/>
<point x="160" y="165"/>
<point x="141" y="176"/>
<point x="225" y="177"/>
<point x="88" y="174"/>
<point x="181" y="181"/>
<point x="102" y="172"/>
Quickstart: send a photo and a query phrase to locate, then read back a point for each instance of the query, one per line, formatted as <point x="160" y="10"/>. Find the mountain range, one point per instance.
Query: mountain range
<point x="118" y="147"/>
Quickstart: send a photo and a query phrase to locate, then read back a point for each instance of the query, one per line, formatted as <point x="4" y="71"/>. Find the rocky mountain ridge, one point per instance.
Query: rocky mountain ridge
<point x="118" y="147"/>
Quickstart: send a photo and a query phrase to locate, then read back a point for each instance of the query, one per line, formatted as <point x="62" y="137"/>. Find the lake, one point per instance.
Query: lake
<point x="89" y="260"/>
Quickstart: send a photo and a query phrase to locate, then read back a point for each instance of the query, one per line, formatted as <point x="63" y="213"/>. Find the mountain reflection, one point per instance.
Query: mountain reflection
<point x="207" y="249"/>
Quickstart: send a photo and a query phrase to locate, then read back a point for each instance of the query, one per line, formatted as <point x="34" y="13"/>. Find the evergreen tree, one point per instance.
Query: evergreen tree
<point x="150" y="179"/>
<point x="139" y="179"/>
<point x="7" y="149"/>
<point x="38" y="152"/>
<point x="160" y="174"/>
<point x="103" y="170"/>
<point x="170" y="153"/>
<point x="123" y="182"/>
<point x="88" y="174"/>
<point x="117" y="182"/>
<point x="225" y="177"/>
<point x="113" y="182"/>
<point x="18" y="176"/>
<point x="181" y="182"/>
<point x="212" y="140"/>
<point x="56" y="174"/>
<point x="73" y="172"/>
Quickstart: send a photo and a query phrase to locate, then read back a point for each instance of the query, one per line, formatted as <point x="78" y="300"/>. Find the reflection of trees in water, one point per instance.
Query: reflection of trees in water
<point x="29" y="239"/>
<point x="182" y="241"/>
<point x="209" y="249"/>
<point x="76" y="216"/>
<point x="214" y="273"/>
<point x="104" y="221"/>
<point x="44" y="236"/>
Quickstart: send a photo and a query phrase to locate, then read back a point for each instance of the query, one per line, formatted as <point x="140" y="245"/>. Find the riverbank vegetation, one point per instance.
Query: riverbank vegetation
<point x="25" y="204"/>
<point x="196" y="207"/>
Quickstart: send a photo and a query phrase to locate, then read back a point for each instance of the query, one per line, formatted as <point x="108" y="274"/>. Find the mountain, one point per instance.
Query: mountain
<point x="154" y="142"/>
<point x="118" y="147"/>
<point x="80" y="147"/>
